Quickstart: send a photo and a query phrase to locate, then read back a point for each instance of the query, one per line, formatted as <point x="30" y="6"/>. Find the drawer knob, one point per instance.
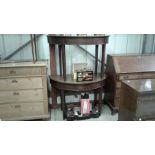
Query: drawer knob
<point x="12" y="72"/>
<point x="126" y="76"/>
<point x="16" y="93"/>
<point x="14" y="81"/>
<point x="17" y="106"/>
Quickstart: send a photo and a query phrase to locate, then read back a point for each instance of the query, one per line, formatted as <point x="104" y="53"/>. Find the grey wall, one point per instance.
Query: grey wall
<point x="149" y="44"/>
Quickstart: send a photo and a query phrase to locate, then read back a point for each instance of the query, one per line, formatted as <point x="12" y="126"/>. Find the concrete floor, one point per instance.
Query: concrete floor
<point x="56" y="115"/>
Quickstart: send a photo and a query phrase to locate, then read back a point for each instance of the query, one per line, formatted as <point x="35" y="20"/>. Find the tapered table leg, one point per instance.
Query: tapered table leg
<point x="96" y="66"/>
<point x="63" y="103"/>
<point x="103" y="60"/>
<point x="64" y="62"/>
<point x="54" y="98"/>
<point x="100" y="99"/>
<point x="53" y="72"/>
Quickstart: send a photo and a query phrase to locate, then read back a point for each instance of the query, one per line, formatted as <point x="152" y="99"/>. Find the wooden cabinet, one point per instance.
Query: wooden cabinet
<point x="23" y="91"/>
<point x="137" y="100"/>
<point x="125" y="67"/>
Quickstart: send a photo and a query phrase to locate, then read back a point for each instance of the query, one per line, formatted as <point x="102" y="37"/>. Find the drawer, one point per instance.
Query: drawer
<point x="22" y="71"/>
<point x="11" y="111"/>
<point x="20" y="83"/>
<point x="21" y="96"/>
<point x="129" y="76"/>
<point x="148" y="75"/>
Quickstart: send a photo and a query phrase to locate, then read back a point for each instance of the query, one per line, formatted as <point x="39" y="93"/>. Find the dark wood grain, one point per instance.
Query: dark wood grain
<point x="103" y="59"/>
<point x="60" y="58"/>
<point x="73" y="85"/>
<point x="64" y="62"/>
<point x="65" y="82"/>
<point x="137" y="100"/>
<point x="126" y="67"/>
<point x="52" y="59"/>
<point x="78" y="40"/>
<point x="96" y="59"/>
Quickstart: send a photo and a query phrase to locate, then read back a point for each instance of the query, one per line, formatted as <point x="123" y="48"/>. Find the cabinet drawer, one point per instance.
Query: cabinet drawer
<point x="130" y="76"/>
<point x="22" y="71"/>
<point x="21" y="96"/>
<point x="11" y="111"/>
<point x="148" y="75"/>
<point x="20" y="83"/>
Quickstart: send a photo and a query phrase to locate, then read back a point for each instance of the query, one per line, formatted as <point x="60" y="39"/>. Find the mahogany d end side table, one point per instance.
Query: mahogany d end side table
<point x="64" y="82"/>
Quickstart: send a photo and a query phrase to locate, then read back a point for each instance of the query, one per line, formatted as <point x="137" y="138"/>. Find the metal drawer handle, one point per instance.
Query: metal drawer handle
<point x="12" y="72"/>
<point x="126" y="76"/>
<point x="14" y="81"/>
<point x="17" y="106"/>
<point x="16" y="93"/>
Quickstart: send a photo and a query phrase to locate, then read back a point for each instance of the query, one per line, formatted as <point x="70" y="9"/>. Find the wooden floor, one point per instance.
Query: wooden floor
<point x="56" y="115"/>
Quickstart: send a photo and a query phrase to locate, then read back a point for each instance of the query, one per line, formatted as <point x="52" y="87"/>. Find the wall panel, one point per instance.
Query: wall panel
<point x="149" y="46"/>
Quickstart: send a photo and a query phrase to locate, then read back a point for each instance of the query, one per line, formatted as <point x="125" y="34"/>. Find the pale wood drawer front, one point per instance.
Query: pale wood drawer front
<point x="21" y="96"/>
<point x="20" y="83"/>
<point x="22" y="71"/>
<point x="21" y="110"/>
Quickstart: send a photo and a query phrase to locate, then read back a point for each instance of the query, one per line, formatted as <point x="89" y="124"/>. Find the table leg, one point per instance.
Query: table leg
<point x="63" y="103"/>
<point x="103" y="59"/>
<point x="60" y="59"/>
<point x="64" y="62"/>
<point x="52" y="59"/>
<point x="54" y="98"/>
<point x="95" y="97"/>
<point x="100" y="99"/>
<point x="53" y="72"/>
<point x="96" y="59"/>
<point x="61" y="98"/>
<point x="96" y="65"/>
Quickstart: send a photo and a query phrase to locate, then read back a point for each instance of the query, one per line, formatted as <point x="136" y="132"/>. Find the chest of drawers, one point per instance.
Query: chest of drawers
<point x="23" y="91"/>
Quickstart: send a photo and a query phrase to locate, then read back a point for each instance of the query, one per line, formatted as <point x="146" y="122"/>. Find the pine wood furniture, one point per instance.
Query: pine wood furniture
<point x="125" y="67"/>
<point x="23" y="91"/>
<point x="137" y="100"/>
<point x="63" y="82"/>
